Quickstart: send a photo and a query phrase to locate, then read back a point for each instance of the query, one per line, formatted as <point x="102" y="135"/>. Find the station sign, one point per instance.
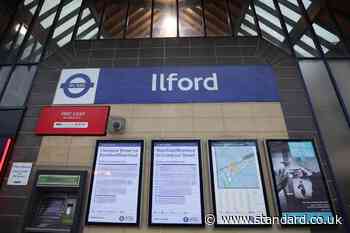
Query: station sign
<point x="73" y="120"/>
<point x="168" y="84"/>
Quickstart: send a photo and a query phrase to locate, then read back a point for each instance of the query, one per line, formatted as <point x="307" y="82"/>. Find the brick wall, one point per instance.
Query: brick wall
<point x="294" y="118"/>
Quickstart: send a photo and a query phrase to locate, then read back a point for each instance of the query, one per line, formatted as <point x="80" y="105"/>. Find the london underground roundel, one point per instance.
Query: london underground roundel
<point x="77" y="85"/>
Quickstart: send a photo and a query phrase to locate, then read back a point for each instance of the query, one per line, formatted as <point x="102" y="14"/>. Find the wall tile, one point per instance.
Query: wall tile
<point x="208" y="124"/>
<point x="225" y="120"/>
<point x="207" y="110"/>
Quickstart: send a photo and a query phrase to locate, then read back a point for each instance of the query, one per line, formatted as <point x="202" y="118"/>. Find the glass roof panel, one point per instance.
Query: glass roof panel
<point x="271" y="32"/>
<point x="26" y="2"/>
<point x="33" y="9"/>
<point x="91" y="34"/>
<point x="328" y="36"/>
<point x="306" y="3"/>
<point x="248" y="30"/>
<point x="65" y="40"/>
<point x="249" y="18"/>
<point x="266" y="15"/>
<point x="48" y="21"/>
<point x="86" y="12"/>
<point x="268" y="3"/>
<point x="295" y="2"/>
<point x="63" y="27"/>
<point x="86" y="25"/>
<point x="48" y="5"/>
<point x="287" y="12"/>
<point x="70" y="7"/>
<point x="302" y="51"/>
<point x="307" y="40"/>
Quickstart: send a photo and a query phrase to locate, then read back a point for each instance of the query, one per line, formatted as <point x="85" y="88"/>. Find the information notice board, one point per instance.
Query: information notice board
<point x="299" y="183"/>
<point x="237" y="183"/>
<point x="115" y="187"/>
<point x="176" y="183"/>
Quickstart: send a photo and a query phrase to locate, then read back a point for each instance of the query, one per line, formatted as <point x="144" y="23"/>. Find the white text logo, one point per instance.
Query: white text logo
<point x="184" y="84"/>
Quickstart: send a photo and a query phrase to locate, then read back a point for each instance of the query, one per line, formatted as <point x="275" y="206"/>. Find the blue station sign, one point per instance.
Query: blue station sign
<point x="167" y="84"/>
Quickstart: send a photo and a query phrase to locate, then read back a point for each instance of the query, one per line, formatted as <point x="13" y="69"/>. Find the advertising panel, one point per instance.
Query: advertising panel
<point x="302" y="194"/>
<point x="239" y="197"/>
<point x="115" y="187"/>
<point x="176" y="188"/>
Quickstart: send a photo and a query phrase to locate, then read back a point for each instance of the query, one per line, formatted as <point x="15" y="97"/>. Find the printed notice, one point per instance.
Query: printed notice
<point x="19" y="174"/>
<point x="237" y="181"/>
<point x="176" y="187"/>
<point x="115" y="188"/>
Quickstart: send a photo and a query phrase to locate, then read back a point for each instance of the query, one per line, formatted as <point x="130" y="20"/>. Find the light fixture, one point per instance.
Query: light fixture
<point x="22" y="30"/>
<point x="169" y="25"/>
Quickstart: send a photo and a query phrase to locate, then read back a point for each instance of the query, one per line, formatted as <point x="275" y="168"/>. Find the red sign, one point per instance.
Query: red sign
<point x="73" y="120"/>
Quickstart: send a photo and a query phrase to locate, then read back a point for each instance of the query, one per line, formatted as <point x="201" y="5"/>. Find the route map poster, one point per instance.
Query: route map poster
<point x="237" y="182"/>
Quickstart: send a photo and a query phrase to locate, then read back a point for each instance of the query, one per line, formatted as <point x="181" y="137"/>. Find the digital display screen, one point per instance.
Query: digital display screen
<point x="115" y="190"/>
<point x="176" y="188"/>
<point x="237" y="182"/>
<point x="301" y="190"/>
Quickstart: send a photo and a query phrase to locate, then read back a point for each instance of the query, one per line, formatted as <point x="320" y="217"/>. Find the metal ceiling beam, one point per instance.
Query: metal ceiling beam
<point x="302" y="26"/>
<point x="244" y="10"/>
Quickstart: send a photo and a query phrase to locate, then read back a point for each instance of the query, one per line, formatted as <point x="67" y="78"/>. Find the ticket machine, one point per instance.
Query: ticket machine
<point x="56" y="202"/>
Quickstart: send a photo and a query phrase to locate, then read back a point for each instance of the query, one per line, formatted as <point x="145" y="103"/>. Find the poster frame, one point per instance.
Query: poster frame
<point x="198" y="143"/>
<point x="212" y="183"/>
<point x="137" y="223"/>
<point x="277" y="200"/>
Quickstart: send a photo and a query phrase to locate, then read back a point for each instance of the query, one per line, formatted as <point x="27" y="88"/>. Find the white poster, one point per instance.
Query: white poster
<point x="176" y="183"/>
<point x="115" y="188"/>
<point x="77" y="86"/>
<point x="19" y="174"/>
<point x="237" y="182"/>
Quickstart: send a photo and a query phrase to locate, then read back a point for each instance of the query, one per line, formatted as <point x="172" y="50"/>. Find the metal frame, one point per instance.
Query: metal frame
<point x="102" y="19"/>
<point x="324" y="59"/>
<point x="271" y="165"/>
<point x="288" y="40"/>
<point x="126" y="20"/>
<point x="200" y="178"/>
<point x="256" y="20"/>
<point x="232" y="34"/>
<point x="300" y="75"/>
<point x="177" y="19"/>
<point x="204" y="19"/>
<point x="52" y="30"/>
<point x="212" y="180"/>
<point x="21" y="47"/>
<point x="339" y="29"/>
<point x="152" y="12"/>
<point x="138" y="204"/>
<point x="77" y="23"/>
